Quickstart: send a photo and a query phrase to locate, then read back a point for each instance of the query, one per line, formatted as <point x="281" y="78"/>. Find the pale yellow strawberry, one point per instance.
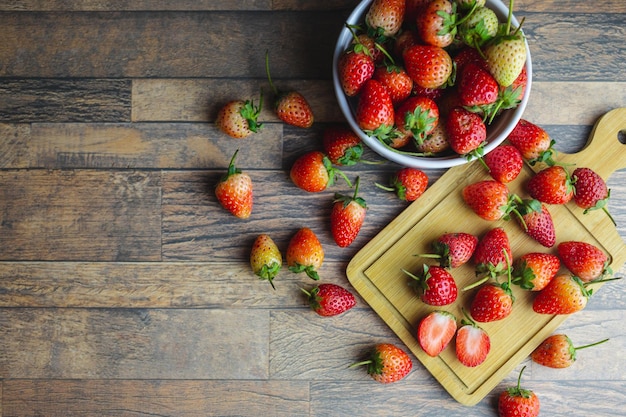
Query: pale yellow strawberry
<point x="265" y="258"/>
<point x="506" y="58"/>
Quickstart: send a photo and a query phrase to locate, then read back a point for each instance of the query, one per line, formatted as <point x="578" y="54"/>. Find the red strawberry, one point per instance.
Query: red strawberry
<point x="533" y="142"/>
<point x="330" y="299"/>
<point x="558" y="351"/>
<point x="355" y="66"/>
<point x="436" y="23"/>
<point x="435" y="286"/>
<point x="518" y="402"/>
<point x="429" y="66"/>
<point x="492" y="302"/>
<point x="238" y="118"/>
<point x="313" y="172"/>
<point x="374" y="109"/>
<point x="408" y="183"/>
<point x="586" y="261"/>
<point x="472" y="343"/>
<point x="453" y="249"/>
<point x="347" y="216"/>
<point x="537" y="222"/>
<point x="417" y="117"/>
<point x="493" y="253"/>
<point x="504" y="163"/>
<point x="342" y="145"/>
<point x="466" y="56"/>
<point x="385" y="17"/>
<point x="435" y="331"/>
<point x="489" y="199"/>
<point x="551" y="185"/>
<point x="534" y="270"/>
<point x="466" y="132"/>
<point x="397" y="81"/>
<point x="305" y="253"/>
<point x="477" y="87"/>
<point x="265" y="258"/>
<point x="403" y="40"/>
<point x="413" y="8"/>
<point x="564" y="294"/>
<point x="234" y="191"/>
<point x="387" y="363"/>
<point x="590" y="191"/>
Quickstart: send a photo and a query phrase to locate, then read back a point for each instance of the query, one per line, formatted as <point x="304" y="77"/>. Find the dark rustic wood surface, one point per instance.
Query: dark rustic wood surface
<point x="125" y="289"/>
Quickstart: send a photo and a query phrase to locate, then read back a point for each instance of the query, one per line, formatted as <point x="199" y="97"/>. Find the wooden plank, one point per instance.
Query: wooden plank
<point x="134" y="343"/>
<point x="79" y="215"/>
<point x="44" y="100"/>
<point x="557" y="7"/>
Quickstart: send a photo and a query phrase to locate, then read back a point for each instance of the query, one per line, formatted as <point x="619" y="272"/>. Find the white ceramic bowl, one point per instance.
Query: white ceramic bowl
<point x="496" y="131"/>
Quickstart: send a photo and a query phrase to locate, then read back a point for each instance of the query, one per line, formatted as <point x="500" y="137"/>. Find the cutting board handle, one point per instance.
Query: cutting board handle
<point x="604" y="153"/>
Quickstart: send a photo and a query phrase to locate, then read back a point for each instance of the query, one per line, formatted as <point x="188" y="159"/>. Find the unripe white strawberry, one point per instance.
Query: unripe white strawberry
<point x="506" y="58"/>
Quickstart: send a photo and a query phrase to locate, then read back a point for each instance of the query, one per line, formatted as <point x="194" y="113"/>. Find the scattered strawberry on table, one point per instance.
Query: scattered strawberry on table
<point x="387" y="363"/>
<point x="453" y="249"/>
<point x="408" y="183"/>
<point x="265" y="258"/>
<point x="436" y="331"/>
<point x="518" y="402"/>
<point x="435" y="285"/>
<point x="558" y="351"/>
<point x="534" y="270"/>
<point x="330" y="299"/>
<point x="473" y="344"/>
<point x="234" y="191"/>
<point x="347" y="216"/>
<point x="313" y="172"/>
<point x="585" y="260"/>
<point x="239" y="118"/>
<point x="590" y="191"/>
<point x="305" y="253"/>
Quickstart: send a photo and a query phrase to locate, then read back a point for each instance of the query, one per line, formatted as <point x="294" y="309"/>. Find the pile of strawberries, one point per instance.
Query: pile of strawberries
<point x="429" y="76"/>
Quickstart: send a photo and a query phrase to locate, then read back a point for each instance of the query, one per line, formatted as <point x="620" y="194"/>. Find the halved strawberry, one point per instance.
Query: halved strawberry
<point x="472" y="343"/>
<point x="435" y="331"/>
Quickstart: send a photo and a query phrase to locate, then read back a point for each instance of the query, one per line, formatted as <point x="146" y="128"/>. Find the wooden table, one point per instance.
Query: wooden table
<point x="125" y="289"/>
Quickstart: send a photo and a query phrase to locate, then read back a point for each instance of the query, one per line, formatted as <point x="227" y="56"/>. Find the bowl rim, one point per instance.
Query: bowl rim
<point x="497" y="133"/>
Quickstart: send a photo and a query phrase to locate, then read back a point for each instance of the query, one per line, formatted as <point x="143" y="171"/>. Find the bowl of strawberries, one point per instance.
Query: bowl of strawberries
<point x="432" y="83"/>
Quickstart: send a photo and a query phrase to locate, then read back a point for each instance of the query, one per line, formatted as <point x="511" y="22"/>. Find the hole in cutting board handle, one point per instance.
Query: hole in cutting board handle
<point x="621" y="136"/>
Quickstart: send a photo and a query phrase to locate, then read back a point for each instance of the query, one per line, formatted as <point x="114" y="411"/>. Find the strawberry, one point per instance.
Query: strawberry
<point x="436" y="23"/>
<point x="478" y="27"/>
<point x="374" y="110"/>
<point x="558" y="351"/>
<point x="313" y="172"/>
<point x="590" y="191"/>
<point x="435" y="331"/>
<point x="477" y="88"/>
<point x="534" y="270"/>
<point x="396" y="80"/>
<point x="518" y="402"/>
<point x="472" y="343"/>
<point x="504" y="163"/>
<point x="492" y="302"/>
<point x="385" y="17"/>
<point x="551" y="185"/>
<point x="347" y="216"/>
<point x="533" y="142"/>
<point x="466" y="56"/>
<point x="429" y="66"/>
<point x="489" y="199"/>
<point x="408" y="183"/>
<point x="341" y="145"/>
<point x="406" y="37"/>
<point x="387" y="363"/>
<point x="435" y="286"/>
<point x="265" y="258"/>
<point x="466" y="132"/>
<point x="305" y="253"/>
<point x="585" y="260"/>
<point x="234" y="191"/>
<point x="437" y="142"/>
<point x="453" y="249"/>
<point x="564" y="294"/>
<point x="355" y="66"/>
<point x="291" y="107"/>
<point x="238" y="118"/>
<point x="417" y="117"/>
<point x="413" y="8"/>
<point x="493" y="253"/>
<point x="537" y="222"/>
<point x="330" y="299"/>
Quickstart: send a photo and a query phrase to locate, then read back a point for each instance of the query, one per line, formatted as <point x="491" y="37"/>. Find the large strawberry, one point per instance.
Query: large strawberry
<point x="467" y="132"/>
<point x="347" y="216"/>
<point x="493" y="254"/>
<point x="477" y="88"/>
<point x="397" y="81"/>
<point x="564" y="294"/>
<point x="533" y="142"/>
<point x="590" y="191"/>
<point x="536" y="220"/>
<point x="355" y="66"/>
<point x="313" y="172"/>
<point x="558" y="351"/>
<point x="453" y="249"/>
<point x="517" y="401"/>
<point x="330" y="299"/>
<point x="408" y="183"/>
<point x="342" y="145"/>
<point x="374" y="112"/>
<point x="472" y="343"/>
<point x="436" y="23"/>
<point x="416" y="118"/>
<point x="305" y="253"/>
<point x="504" y="163"/>
<point x="489" y="199"/>
<point x="265" y="258"/>
<point x="534" y="270"/>
<point x="385" y="17"/>
<point x="234" y="191"/>
<point x="435" y="331"/>
<point x="551" y="185"/>
<point x="435" y="285"/>
<point x="429" y="66"/>
<point x="387" y="363"/>
<point x="239" y="118"/>
<point x="492" y="302"/>
<point x="585" y="260"/>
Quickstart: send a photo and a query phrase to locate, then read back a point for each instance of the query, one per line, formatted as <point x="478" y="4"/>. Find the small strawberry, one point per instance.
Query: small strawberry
<point x="313" y="172"/>
<point x="479" y="27"/>
<point x="238" y="118"/>
<point x="355" y="66"/>
<point x="435" y="331"/>
<point x="396" y="80"/>
<point x="435" y="286"/>
<point x="558" y="351"/>
<point x="374" y="110"/>
<point x="342" y="145"/>
<point x="330" y="299"/>
<point x="518" y="402"/>
<point x="590" y="191"/>
<point x="265" y="258"/>
<point x="347" y="216"/>
<point x="585" y="260"/>
<point x="536" y="220"/>
<point x="436" y="23"/>
<point x="408" y="183"/>
<point x="417" y="117"/>
<point x="429" y="66"/>
<point x="533" y="142"/>
<point x="467" y="132"/>
<point x="472" y="343"/>
<point x="466" y="56"/>
<point x="534" y="270"/>
<point x="387" y="363"/>
<point x="290" y="106"/>
<point x="493" y="253"/>
<point x="489" y="199"/>
<point x="385" y="17"/>
<point x="551" y="185"/>
<point x="564" y="294"/>
<point x="453" y="249"/>
<point x="234" y="191"/>
<point x="437" y="142"/>
<point x="305" y="253"/>
<point x="492" y="302"/>
<point x="504" y="163"/>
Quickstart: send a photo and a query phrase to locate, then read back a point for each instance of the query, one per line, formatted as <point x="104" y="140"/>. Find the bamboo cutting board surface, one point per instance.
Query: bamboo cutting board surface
<point x="375" y="271"/>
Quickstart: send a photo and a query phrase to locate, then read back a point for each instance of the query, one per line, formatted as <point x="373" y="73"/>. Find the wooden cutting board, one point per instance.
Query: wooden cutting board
<point x="375" y="271"/>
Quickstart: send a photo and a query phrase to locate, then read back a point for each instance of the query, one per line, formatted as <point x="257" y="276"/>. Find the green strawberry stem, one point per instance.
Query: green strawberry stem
<point x="591" y="344"/>
<point x="267" y="71"/>
<point x="518" y="390"/>
<point x="232" y="169"/>
<point x="340" y="198"/>
<point x="334" y="172"/>
<point x="492" y="274"/>
<point x="268" y="272"/>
